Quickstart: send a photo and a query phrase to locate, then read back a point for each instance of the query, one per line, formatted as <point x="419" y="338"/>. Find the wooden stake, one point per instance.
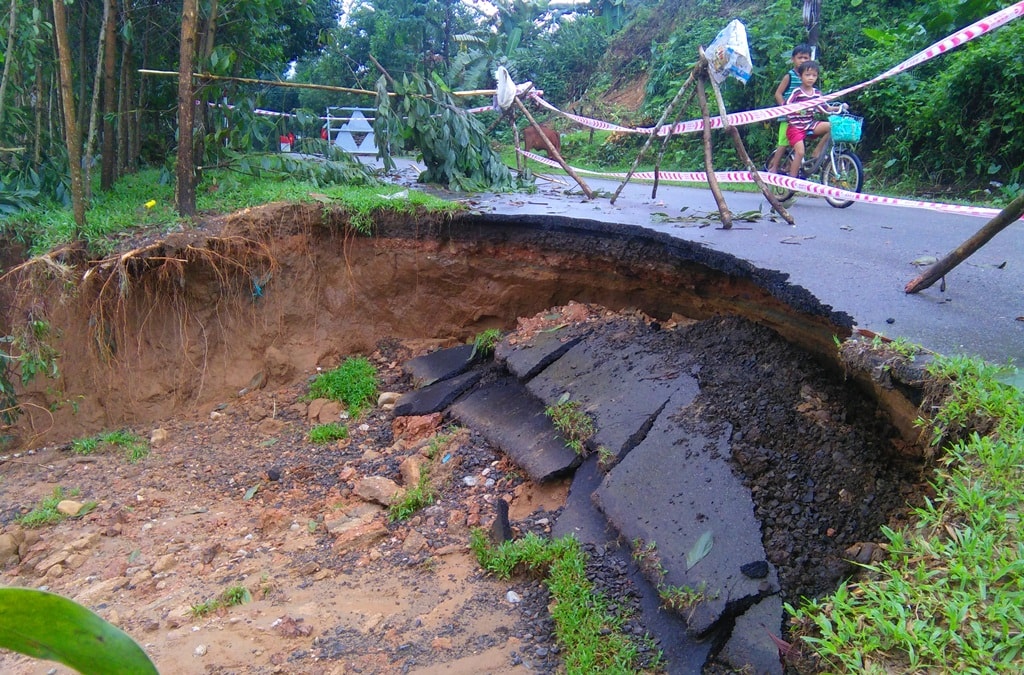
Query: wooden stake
<point x="1013" y="211"/>
<point x="554" y="153"/>
<point x="741" y="150"/>
<point x="709" y="167"/>
<point x="654" y="131"/>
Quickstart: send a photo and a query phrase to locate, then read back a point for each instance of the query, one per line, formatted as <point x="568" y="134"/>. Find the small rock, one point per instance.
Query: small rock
<point x="274" y="474"/>
<point x="513" y="597"/>
<point x="158" y="437"/>
<point x="387" y="398"/>
<point x="755" y="570"/>
<point x="469" y="481"/>
<point x="69" y="507"/>
<point x="200" y="650"/>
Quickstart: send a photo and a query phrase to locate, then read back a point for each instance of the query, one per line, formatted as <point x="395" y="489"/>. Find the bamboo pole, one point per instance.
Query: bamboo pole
<point x="554" y="153"/>
<point x="654" y="131"/>
<point x="1013" y="211"/>
<point x="709" y="167"/>
<point x="741" y="150"/>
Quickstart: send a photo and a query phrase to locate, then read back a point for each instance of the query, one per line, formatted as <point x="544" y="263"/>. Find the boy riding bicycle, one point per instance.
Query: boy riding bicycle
<point x="802" y="124"/>
<point x="789" y="82"/>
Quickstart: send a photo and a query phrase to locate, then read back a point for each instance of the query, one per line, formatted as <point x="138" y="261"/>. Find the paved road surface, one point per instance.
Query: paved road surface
<point x="858" y="259"/>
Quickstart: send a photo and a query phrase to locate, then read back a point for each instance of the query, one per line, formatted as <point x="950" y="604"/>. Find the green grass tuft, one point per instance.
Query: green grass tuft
<point x="413" y="499"/>
<point x="575" y="425"/>
<point x="327" y="433"/>
<point x="353" y="383"/>
<point x="587" y="625"/>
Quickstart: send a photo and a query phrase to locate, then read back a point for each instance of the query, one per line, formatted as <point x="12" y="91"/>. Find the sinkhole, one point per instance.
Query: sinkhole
<point x="819" y="457"/>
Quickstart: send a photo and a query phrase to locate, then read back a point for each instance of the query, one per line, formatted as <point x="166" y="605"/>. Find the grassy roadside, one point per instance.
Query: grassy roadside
<point x="145" y="201"/>
<point x="949" y="596"/>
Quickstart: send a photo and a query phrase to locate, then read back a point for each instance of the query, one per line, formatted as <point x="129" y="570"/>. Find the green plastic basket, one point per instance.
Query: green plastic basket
<point x="845" y="128"/>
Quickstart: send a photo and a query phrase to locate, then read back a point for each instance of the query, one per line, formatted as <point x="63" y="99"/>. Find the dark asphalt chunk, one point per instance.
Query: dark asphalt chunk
<point x="512" y="419"/>
<point x="439" y="365"/>
<point x="435" y="397"/>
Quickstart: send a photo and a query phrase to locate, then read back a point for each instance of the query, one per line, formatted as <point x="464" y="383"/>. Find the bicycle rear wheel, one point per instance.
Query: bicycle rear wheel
<point x="846" y="174"/>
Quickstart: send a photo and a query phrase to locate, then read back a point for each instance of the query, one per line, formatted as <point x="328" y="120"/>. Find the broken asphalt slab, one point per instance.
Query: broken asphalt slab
<point x="510" y="418"/>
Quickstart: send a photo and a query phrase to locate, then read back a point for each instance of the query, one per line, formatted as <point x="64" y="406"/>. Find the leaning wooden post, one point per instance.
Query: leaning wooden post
<point x="654" y="131"/>
<point x="1013" y="211"/>
<point x="741" y="150"/>
<point x="554" y="153"/>
<point x="709" y="167"/>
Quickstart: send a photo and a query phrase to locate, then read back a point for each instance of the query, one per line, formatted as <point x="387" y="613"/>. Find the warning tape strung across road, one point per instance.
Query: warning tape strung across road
<point x="963" y="36"/>
<point x="788" y="183"/>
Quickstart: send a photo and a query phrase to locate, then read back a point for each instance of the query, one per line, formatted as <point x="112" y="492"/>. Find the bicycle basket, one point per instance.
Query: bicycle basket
<point x="845" y="128"/>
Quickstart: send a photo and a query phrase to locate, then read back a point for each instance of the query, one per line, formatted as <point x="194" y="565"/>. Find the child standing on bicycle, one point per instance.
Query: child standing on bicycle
<point x="802" y="124"/>
<point x="787" y="84"/>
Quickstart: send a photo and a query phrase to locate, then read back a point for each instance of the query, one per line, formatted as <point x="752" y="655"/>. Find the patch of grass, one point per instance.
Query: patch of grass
<point x="229" y="597"/>
<point x="413" y="499"/>
<point x="353" y="383"/>
<point x="575" y="425"/>
<point x="135" y="447"/>
<point x="327" y="433"/>
<point x="587" y="625"/>
<point x="948" y="596"/>
<point x="683" y="600"/>
<point x="46" y="513"/>
<point x="235" y="595"/>
<point x="485" y="342"/>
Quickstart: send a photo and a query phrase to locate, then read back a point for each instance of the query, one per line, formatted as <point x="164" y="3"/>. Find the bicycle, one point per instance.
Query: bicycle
<point x="836" y="166"/>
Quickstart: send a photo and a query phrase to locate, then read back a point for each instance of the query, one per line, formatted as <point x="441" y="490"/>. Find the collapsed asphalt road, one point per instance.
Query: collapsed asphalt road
<point x="727" y="468"/>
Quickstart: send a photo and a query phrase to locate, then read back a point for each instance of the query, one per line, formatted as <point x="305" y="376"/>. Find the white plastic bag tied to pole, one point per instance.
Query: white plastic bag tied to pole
<point x="506" y="89"/>
<point x="728" y="54"/>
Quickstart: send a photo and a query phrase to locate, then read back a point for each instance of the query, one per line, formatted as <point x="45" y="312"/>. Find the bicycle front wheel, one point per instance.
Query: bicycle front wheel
<point x="781" y="193"/>
<point x="847" y="173"/>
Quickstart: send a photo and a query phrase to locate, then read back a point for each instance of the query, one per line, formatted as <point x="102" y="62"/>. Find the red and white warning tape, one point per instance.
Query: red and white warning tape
<point x="788" y="183"/>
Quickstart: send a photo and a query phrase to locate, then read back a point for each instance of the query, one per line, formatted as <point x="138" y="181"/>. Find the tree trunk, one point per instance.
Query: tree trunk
<point x="37" y="102"/>
<point x="185" y="189"/>
<point x="1013" y="211"/>
<point x="90" y="141"/>
<point x="8" y="58"/>
<point x="73" y="135"/>
<point x="110" y="82"/>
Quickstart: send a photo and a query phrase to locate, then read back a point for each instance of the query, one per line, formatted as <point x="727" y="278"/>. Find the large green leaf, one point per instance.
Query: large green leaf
<point x="49" y="626"/>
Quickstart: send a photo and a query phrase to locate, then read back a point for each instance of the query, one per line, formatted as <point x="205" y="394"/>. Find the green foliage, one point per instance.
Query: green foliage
<point x="574" y="424"/>
<point x="229" y="597"/>
<point x="947" y="597"/>
<point x="135" y="448"/>
<point x="328" y="433"/>
<point x="588" y="626"/>
<point x="47" y="626"/>
<point x="413" y="499"/>
<point x="353" y="383"/>
<point x="485" y="342"/>
<point x="46" y="513"/>
<point x="454" y="145"/>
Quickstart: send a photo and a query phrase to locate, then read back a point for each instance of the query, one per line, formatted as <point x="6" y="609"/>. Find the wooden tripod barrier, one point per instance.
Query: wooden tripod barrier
<point x="741" y="151"/>
<point x="554" y="153"/>
<point x="709" y="167"/>
<point x="1013" y="211"/>
<point x="654" y="131"/>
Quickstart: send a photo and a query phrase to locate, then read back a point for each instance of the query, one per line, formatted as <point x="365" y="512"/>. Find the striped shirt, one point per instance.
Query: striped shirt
<point x="804" y="119"/>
